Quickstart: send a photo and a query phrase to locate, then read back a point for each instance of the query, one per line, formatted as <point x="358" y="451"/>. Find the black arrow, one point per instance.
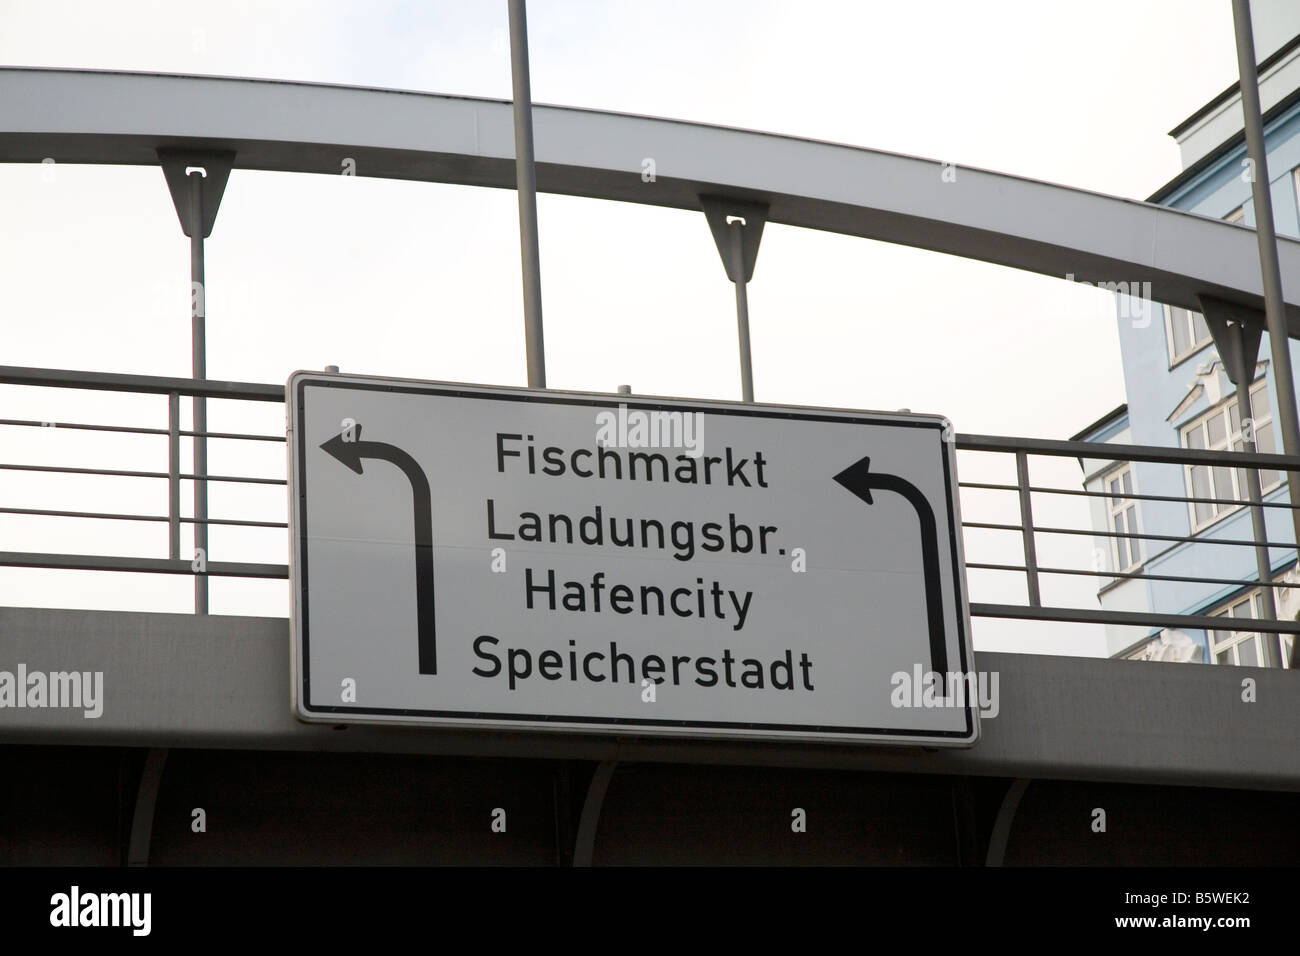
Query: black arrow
<point x="351" y="453"/>
<point x="859" y="479"/>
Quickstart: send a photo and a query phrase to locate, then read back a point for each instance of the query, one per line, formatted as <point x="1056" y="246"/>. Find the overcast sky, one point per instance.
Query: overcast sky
<point x="422" y="280"/>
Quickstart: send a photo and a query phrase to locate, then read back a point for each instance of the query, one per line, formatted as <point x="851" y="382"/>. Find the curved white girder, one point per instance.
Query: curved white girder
<point x="82" y="116"/>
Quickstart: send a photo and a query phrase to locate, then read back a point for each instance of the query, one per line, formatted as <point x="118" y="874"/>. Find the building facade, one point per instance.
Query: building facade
<point x="1179" y="396"/>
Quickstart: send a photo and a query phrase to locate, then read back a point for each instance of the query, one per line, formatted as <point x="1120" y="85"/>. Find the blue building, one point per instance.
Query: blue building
<point x="1179" y="396"/>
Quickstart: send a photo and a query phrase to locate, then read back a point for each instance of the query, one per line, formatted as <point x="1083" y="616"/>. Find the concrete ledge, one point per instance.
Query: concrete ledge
<point x="177" y="680"/>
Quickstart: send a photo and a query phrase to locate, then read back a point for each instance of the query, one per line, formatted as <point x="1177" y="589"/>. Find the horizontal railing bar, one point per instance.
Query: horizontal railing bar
<point x="81" y="426"/>
<point x="115" y="473"/>
<point x="1040" y="529"/>
<point x="69" y="470"/>
<point x="99" y="562"/>
<point x="240" y="436"/>
<point x="987" y="486"/>
<point x="252" y="391"/>
<point x="1134" y="496"/>
<point x="1133" y="618"/>
<point x="113" y="516"/>
<point x="235" y="478"/>
<point x="1237" y="542"/>
<point x="1128" y="575"/>
<point x="143" y="384"/>
<point x="48" y="513"/>
<point x="246" y="522"/>
<point x="134" y="430"/>
<point x="1131" y="496"/>
<point x="1105" y="452"/>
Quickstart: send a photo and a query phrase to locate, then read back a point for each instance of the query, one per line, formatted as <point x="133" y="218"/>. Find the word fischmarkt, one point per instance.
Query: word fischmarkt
<point x="620" y="465"/>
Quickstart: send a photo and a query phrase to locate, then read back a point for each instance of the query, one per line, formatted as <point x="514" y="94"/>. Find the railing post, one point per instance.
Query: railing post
<point x="174" y="475"/>
<point x="1238" y="348"/>
<point x="197" y="181"/>
<point x="737" y="230"/>
<point x="198" y="313"/>
<point x="1027" y="529"/>
<point x="737" y="241"/>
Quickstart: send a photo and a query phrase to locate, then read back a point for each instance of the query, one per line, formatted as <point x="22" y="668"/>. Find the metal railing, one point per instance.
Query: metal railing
<point x="175" y="389"/>
<point x="1015" y="512"/>
<point x="1110" y="457"/>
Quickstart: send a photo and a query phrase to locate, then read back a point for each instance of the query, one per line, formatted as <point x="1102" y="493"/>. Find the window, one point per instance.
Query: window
<point x="1237" y="215"/>
<point x="1187" y="332"/>
<point x="1122" y="510"/>
<point x="1143" y="653"/>
<point x="1245" y="648"/>
<point x="1221" y="430"/>
<point x="1170" y="645"/>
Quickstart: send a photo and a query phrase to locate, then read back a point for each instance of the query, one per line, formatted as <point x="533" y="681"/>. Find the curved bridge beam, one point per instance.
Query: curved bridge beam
<point x="81" y="116"/>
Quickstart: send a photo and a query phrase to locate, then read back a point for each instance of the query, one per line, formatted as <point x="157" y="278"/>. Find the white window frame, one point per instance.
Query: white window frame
<point x="1143" y="652"/>
<point x="1175" y="357"/>
<point x="1230" y="440"/>
<point x="1128" y="508"/>
<point x="1229" y="643"/>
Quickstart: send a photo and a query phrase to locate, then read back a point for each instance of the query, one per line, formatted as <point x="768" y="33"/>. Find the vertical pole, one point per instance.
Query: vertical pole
<point x="736" y="229"/>
<point x="174" y="475"/>
<point x="585" y="843"/>
<point x="198" y="344"/>
<point x="146" y="802"/>
<point x="526" y="184"/>
<point x="1279" y="342"/>
<point x="1027" y="529"/>
<point x="1254" y="494"/>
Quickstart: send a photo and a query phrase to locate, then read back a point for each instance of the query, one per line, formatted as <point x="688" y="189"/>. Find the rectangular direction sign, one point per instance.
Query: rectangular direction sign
<point x="494" y="557"/>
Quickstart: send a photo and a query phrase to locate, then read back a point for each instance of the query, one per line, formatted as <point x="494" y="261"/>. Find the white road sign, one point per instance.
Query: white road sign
<point x="497" y="557"/>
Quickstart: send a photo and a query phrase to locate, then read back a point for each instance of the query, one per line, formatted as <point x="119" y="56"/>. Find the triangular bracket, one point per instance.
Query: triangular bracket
<point x="1236" y="330"/>
<point x="216" y="163"/>
<point x="717" y="210"/>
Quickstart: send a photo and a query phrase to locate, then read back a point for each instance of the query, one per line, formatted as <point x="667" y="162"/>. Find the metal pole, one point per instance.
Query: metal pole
<point x="146" y="803"/>
<point x="1254" y="494"/>
<point x="1279" y="342"/>
<point x="736" y="230"/>
<point x="526" y="184"/>
<point x="198" y="345"/>
<point x="174" y="475"/>
<point x="1027" y="530"/>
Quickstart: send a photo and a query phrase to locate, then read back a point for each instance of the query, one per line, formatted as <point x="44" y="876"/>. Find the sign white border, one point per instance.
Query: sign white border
<point x="304" y="710"/>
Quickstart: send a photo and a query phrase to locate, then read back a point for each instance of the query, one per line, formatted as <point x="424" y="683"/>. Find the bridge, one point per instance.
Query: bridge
<point x="196" y="712"/>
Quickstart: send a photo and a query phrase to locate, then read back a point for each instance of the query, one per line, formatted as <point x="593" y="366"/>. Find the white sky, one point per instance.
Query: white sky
<point x="422" y="280"/>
